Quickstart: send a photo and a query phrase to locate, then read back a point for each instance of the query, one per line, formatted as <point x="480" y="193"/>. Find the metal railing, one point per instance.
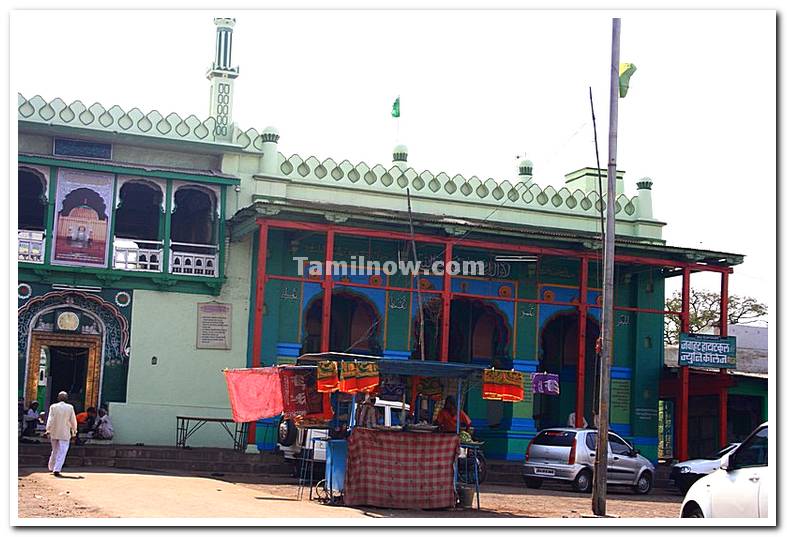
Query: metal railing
<point x="137" y="255"/>
<point x="31" y="246"/>
<point x="195" y="259"/>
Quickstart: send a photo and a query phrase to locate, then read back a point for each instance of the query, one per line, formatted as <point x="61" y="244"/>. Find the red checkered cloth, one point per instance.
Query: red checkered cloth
<point x="400" y="470"/>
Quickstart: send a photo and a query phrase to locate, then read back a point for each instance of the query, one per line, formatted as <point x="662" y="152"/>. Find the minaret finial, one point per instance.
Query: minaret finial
<point x="222" y="76"/>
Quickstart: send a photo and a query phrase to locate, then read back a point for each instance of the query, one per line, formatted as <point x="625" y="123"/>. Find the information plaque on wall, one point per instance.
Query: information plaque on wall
<point x="214" y="326"/>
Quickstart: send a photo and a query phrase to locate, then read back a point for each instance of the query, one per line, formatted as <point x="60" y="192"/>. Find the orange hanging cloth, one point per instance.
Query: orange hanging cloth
<point x="368" y="376"/>
<point x="349" y="381"/>
<point x="327" y="377"/>
<point x="503" y="385"/>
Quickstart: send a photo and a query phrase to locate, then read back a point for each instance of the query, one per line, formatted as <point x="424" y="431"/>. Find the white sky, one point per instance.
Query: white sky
<point x="477" y="89"/>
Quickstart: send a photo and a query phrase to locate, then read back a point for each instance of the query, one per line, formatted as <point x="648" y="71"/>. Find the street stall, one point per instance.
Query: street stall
<point x="404" y="462"/>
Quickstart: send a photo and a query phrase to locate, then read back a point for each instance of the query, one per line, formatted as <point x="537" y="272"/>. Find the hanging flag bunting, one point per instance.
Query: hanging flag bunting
<point x="430" y="387"/>
<point x="254" y="393"/>
<point x="545" y="383"/>
<point x="359" y="377"/>
<point x="395" y="108"/>
<point x="327" y="377"/>
<point x="391" y="387"/>
<point x="293" y="392"/>
<point x="626" y="70"/>
<point x="503" y="385"/>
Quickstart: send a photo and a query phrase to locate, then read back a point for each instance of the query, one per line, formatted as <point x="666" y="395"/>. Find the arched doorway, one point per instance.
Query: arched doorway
<point x="193" y="233"/>
<point x="432" y="310"/>
<point x="138" y="222"/>
<point x="32" y="200"/>
<point x="558" y="353"/>
<point x="355" y="325"/>
<point x="478" y="331"/>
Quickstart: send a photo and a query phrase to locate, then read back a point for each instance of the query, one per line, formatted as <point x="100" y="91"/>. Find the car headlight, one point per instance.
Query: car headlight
<point x="684" y="469"/>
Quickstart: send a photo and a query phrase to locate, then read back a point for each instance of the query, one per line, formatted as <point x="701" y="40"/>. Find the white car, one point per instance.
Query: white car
<point x="685" y="474"/>
<point x="739" y="488"/>
<point x="292" y="439"/>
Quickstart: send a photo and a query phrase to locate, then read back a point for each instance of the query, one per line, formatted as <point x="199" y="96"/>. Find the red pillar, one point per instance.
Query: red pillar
<point x="683" y="401"/>
<point x="723" y="320"/>
<point x="446" y="317"/>
<point x="259" y="305"/>
<point x="583" y="315"/>
<point x="327" y="285"/>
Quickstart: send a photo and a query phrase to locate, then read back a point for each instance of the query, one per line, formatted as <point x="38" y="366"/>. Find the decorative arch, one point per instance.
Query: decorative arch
<point x="84" y="197"/>
<point x="139" y="210"/>
<point x="355" y="323"/>
<point x="479" y="329"/>
<point x="194" y="215"/>
<point x="32" y="194"/>
<point x="116" y="333"/>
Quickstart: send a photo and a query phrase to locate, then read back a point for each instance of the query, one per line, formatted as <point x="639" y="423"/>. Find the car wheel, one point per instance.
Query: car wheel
<point x="287" y="432"/>
<point x="533" y="482"/>
<point x="692" y="511"/>
<point x="644" y="483"/>
<point x="583" y="482"/>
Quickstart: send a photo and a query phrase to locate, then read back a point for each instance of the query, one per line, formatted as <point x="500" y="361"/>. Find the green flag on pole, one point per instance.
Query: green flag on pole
<point x="395" y="109"/>
<point x="626" y="70"/>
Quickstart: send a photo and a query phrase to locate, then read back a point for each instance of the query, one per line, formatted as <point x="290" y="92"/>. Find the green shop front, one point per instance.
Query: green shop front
<point x="534" y="307"/>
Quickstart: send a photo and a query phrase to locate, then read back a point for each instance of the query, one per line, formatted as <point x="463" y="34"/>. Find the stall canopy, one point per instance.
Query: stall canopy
<point x="413" y="368"/>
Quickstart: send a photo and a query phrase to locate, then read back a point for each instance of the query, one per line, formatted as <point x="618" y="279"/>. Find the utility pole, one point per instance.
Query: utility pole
<point x="607" y="322"/>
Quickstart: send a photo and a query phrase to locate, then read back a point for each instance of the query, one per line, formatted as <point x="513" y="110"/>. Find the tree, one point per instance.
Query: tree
<point x="705" y="312"/>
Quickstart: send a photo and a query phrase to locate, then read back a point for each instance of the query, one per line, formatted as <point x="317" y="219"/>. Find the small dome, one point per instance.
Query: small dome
<point x="645" y="183"/>
<point x="270" y="134"/>
<point x="400" y="152"/>
<point x="525" y="167"/>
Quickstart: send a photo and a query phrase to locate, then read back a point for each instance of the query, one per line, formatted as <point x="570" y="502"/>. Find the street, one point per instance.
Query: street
<point x="109" y="492"/>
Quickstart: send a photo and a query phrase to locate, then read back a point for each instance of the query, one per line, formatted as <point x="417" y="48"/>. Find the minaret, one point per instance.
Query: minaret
<point x="222" y="76"/>
<point x="644" y="186"/>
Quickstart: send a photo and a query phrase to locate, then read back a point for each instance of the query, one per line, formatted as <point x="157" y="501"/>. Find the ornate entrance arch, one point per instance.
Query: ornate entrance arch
<point x="105" y="333"/>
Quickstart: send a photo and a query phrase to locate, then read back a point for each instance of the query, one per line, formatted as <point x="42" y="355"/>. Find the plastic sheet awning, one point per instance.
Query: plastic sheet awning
<point x="411" y="368"/>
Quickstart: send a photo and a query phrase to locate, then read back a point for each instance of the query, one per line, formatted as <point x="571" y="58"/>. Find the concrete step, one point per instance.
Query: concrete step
<point x="209" y="460"/>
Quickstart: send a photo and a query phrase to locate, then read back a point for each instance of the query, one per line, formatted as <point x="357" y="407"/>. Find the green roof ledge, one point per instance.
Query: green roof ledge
<point x="279" y="177"/>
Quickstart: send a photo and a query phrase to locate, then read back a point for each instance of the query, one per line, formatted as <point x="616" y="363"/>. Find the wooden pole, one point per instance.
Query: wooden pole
<point x="599" y="498"/>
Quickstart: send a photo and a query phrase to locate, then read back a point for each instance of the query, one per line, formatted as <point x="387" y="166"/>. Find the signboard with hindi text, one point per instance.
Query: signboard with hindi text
<point x="704" y="350"/>
<point x="214" y="326"/>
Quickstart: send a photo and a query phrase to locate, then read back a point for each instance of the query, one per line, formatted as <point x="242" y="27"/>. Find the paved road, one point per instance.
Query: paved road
<point x="110" y="492"/>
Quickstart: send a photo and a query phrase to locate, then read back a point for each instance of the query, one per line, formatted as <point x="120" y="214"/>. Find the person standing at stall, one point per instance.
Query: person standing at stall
<point x="446" y="418"/>
<point x="367" y="415"/>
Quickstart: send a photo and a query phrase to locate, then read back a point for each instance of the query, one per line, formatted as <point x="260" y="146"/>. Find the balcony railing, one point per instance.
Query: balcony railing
<point x="138" y="255"/>
<point x="196" y="259"/>
<point x="31" y="245"/>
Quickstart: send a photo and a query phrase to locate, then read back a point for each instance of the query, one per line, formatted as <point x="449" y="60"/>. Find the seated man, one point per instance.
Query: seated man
<point x="102" y="429"/>
<point x="30" y="420"/>
<point x="446" y="418"/>
<point x="85" y="423"/>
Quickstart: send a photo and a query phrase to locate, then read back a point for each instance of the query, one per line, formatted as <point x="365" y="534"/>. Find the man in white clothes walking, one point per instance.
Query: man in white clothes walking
<point x="60" y="426"/>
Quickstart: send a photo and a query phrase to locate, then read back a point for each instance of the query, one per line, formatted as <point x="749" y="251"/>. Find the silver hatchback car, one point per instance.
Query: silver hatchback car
<point x="565" y="454"/>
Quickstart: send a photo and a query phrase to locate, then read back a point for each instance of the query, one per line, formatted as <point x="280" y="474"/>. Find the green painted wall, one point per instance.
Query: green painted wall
<point x="185" y="380"/>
